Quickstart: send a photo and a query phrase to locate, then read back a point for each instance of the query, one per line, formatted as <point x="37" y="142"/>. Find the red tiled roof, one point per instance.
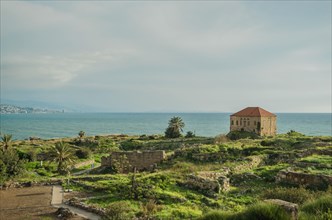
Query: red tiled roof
<point x="254" y="112"/>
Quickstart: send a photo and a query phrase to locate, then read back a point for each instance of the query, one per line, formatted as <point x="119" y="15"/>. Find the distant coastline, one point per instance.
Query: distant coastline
<point x="13" y="109"/>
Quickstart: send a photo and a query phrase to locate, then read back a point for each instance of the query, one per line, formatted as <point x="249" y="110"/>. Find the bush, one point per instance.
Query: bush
<point x="148" y="209"/>
<point x="10" y="165"/>
<point x="319" y="206"/>
<point x="266" y="143"/>
<point x="294" y="195"/>
<point x="264" y="211"/>
<point x="236" y="135"/>
<point x="83" y="153"/>
<point x="190" y="134"/>
<point x="217" y="215"/>
<point x="119" y="211"/>
<point x="131" y="145"/>
<point x="220" y="139"/>
<point x="294" y="133"/>
<point x="260" y="211"/>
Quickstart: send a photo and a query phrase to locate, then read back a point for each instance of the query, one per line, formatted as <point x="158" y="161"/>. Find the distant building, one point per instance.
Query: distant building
<point x="254" y="119"/>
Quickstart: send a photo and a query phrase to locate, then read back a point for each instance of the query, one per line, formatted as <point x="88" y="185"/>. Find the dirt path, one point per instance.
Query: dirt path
<point x="57" y="198"/>
<point x="28" y="203"/>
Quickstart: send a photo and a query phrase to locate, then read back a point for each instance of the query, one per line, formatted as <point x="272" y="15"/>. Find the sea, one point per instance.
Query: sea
<point x="59" y="125"/>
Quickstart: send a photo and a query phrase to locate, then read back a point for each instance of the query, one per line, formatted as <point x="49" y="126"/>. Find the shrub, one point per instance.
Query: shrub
<point x="10" y="164"/>
<point x="190" y="134"/>
<point x="294" y="195"/>
<point x="217" y="215"/>
<point x="83" y="153"/>
<point x="131" y="145"/>
<point x="294" y="133"/>
<point x="32" y="155"/>
<point x="319" y="206"/>
<point x="260" y="211"/>
<point x="119" y="211"/>
<point x="148" y="209"/>
<point x="264" y="211"/>
<point x="267" y="143"/>
<point x="220" y="139"/>
<point x="236" y="135"/>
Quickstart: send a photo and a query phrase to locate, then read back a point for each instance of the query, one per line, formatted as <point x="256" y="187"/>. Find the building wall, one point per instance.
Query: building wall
<point x="264" y="126"/>
<point x="145" y="160"/>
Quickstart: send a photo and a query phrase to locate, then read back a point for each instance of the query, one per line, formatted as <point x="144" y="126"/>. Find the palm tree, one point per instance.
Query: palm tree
<point x="175" y="127"/>
<point x="6" y="139"/>
<point x="63" y="156"/>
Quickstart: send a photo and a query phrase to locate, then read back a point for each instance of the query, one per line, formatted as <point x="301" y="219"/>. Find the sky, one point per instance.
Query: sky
<point x="168" y="56"/>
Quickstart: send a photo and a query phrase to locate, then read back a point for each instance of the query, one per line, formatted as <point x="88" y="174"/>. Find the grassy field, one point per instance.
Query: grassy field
<point x="252" y="165"/>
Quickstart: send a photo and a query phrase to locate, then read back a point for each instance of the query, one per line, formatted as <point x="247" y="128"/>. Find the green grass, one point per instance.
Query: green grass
<point x="166" y="186"/>
<point x="319" y="159"/>
<point x="261" y="211"/>
<point x="319" y="209"/>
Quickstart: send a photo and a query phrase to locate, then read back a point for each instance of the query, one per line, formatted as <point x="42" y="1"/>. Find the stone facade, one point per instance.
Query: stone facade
<point x="254" y="119"/>
<point x="141" y="160"/>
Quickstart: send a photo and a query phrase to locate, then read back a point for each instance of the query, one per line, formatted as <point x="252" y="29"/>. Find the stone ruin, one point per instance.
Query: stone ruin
<point x="139" y="160"/>
<point x="210" y="183"/>
<point x="305" y="179"/>
<point x="290" y="208"/>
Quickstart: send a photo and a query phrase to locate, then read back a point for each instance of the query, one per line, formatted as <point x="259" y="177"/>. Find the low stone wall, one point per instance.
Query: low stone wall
<point x="249" y="163"/>
<point x="306" y="179"/>
<point x="291" y="208"/>
<point x="12" y="184"/>
<point x="79" y="204"/>
<point x="141" y="160"/>
<point x="84" y="163"/>
<point x="209" y="183"/>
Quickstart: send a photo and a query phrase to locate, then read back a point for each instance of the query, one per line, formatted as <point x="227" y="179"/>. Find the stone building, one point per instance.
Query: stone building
<point x="139" y="160"/>
<point x="254" y="119"/>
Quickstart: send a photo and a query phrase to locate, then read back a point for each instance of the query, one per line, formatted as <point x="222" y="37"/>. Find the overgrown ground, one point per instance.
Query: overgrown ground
<point x="252" y="165"/>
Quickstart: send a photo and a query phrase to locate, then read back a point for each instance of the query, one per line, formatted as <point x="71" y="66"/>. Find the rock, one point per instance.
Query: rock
<point x="210" y="183"/>
<point x="64" y="213"/>
<point x="289" y="207"/>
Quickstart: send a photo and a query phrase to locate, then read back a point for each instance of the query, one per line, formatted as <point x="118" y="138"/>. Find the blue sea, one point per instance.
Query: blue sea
<point x="48" y="126"/>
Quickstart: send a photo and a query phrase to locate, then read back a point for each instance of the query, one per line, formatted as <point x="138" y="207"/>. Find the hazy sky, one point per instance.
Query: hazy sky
<point x="168" y="56"/>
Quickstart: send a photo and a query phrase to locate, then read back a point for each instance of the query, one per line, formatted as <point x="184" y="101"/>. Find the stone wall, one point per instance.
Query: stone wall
<point x="306" y="179"/>
<point x="209" y="183"/>
<point x="84" y="163"/>
<point x="141" y="160"/>
<point x="78" y="203"/>
<point x="291" y="208"/>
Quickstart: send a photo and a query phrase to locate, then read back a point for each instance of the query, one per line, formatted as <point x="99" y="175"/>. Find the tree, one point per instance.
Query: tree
<point x="175" y="127"/>
<point x="63" y="156"/>
<point x="81" y="134"/>
<point x="10" y="165"/>
<point x="6" y="139"/>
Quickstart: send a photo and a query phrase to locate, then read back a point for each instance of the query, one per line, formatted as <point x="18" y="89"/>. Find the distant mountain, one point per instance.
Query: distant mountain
<point x="12" y="109"/>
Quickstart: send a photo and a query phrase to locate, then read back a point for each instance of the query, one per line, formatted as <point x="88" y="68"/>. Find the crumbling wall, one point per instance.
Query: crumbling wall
<point x="141" y="160"/>
<point x="210" y="183"/>
<point x="306" y="179"/>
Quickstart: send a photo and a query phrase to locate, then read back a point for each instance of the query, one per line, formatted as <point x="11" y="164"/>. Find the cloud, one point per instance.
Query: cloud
<point x="49" y="71"/>
<point x="204" y="56"/>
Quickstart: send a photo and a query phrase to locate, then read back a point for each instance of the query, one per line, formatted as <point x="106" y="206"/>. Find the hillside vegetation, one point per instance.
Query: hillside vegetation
<point x="252" y="166"/>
